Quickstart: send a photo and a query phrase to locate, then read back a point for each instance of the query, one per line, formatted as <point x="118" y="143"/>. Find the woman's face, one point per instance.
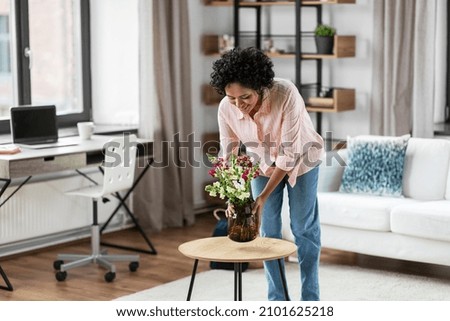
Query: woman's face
<point x="245" y="99"/>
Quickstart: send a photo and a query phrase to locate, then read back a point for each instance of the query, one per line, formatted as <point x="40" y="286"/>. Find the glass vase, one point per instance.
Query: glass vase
<point x="243" y="225"/>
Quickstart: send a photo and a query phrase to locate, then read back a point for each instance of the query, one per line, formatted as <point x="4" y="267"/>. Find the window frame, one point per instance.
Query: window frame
<point x="23" y="76"/>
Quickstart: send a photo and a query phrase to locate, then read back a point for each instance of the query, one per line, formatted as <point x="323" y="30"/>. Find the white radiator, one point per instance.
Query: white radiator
<point x="40" y="214"/>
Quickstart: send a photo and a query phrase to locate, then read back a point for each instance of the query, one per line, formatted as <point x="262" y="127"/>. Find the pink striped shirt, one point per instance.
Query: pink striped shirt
<point x="280" y="133"/>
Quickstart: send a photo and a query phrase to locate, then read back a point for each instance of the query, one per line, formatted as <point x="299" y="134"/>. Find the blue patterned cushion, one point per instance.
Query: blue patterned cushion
<point x="375" y="165"/>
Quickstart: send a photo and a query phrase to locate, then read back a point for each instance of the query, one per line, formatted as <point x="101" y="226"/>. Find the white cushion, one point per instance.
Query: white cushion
<point x="429" y="220"/>
<point x="331" y="169"/>
<point x="358" y="210"/>
<point x="447" y="192"/>
<point x="426" y="168"/>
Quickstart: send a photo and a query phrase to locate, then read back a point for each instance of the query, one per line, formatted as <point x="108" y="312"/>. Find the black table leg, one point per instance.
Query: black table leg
<point x="191" y="284"/>
<point x="8" y="286"/>
<point x="237" y="281"/>
<point x="283" y="280"/>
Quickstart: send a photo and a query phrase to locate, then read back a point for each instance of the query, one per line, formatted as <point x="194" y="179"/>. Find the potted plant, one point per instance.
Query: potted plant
<point x="324" y="36"/>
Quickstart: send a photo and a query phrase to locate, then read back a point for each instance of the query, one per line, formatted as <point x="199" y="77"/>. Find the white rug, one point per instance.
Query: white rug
<point x="338" y="283"/>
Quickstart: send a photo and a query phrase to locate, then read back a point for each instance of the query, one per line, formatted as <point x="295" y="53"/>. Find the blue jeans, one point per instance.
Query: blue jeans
<point x="304" y="214"/>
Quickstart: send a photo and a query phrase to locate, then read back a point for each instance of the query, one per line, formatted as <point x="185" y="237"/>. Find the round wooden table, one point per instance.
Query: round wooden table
<point x="222" y="249"/>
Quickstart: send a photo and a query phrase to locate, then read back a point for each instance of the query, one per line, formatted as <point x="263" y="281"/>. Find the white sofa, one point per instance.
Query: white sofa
<point x="415" y="227"/>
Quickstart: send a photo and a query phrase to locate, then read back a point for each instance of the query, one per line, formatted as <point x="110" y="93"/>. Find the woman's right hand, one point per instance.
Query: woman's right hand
<point x="230" y="210"/>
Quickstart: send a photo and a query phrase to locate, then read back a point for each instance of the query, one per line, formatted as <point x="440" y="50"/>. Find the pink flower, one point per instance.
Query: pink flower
<point x="212" y="172"/>
<point x="245" y="175"/>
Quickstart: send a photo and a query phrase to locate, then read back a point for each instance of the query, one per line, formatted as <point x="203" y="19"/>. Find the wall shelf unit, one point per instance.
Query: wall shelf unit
<point x="344" y="47"/>
<point x="343" y="99"/>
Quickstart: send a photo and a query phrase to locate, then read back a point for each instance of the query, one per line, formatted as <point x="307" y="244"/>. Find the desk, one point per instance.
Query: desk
<point x="31" y="162"/>
<point x="88" y="153"/>
<point x="222" y="249"/>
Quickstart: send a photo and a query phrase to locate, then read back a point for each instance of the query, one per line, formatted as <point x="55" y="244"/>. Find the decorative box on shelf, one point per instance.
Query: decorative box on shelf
<point x="216" y="44"/>
<point x="210" y="95"/>
<point x="211" y="143"/>
<point x="344" y="46"/>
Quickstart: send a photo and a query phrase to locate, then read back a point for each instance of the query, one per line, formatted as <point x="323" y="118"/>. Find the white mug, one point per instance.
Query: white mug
<point x="85" y="130"/>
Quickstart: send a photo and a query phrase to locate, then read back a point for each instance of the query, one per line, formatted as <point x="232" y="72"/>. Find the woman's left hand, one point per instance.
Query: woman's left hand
<point x="258" y="208"/>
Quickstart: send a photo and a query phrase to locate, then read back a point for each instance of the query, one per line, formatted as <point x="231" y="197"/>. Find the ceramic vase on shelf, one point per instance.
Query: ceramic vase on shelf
<point x="324" y="45"/>
<point x="243" y="225"/>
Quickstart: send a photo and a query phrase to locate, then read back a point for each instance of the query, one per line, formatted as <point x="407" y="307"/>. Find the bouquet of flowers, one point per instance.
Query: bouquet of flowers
<point x="233" y="184"/>
<point x="234" y="179"/>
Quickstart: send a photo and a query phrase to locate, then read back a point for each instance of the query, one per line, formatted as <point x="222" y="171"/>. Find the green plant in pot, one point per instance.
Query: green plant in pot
<point x="324" y="36"/>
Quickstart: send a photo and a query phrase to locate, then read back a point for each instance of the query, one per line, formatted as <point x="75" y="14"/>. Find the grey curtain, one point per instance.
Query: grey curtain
<point x="408" y="75"/>
<point x="164" y="197"/>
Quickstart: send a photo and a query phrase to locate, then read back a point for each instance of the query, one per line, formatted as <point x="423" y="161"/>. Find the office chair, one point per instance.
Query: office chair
<point x="119" y="167"/>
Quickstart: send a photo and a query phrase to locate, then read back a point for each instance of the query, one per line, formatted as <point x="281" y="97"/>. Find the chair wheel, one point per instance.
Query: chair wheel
<point x="57" y="264"/>
<point x="61" y="276"/>
<point x="133" y="266"/>
<point x="110" y="276"/>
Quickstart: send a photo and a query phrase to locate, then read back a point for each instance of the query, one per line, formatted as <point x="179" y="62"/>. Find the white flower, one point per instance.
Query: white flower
<point x="244" y="196"/>
<point x="239" y="185"/>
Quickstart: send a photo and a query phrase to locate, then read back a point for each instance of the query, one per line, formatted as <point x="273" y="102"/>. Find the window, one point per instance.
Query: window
<point x="5" y="52"/>
<point x="6" y="80"/>
<point x="50" y="61"/>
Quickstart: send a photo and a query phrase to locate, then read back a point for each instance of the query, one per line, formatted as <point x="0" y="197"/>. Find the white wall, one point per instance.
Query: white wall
<point x="355" y="19"/>
<point x="114" y="61"/>
<point x="355" y="72"/>
<point x="204" y="20"/>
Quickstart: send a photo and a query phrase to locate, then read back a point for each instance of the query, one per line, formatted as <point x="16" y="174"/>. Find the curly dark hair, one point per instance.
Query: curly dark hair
<point x="249" y="67"/>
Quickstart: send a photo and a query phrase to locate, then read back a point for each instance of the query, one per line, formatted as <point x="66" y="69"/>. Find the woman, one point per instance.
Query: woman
<point x="269" y="117"/>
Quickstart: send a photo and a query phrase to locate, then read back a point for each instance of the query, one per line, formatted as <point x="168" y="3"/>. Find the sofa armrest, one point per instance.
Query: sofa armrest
<point x="331" y="170"/>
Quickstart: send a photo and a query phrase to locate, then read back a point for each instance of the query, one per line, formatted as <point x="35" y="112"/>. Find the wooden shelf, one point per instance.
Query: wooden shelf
<point x="317" y="2"/>
<point x="210" y="95"/>
<point x="280" y="55"/>
<point x="267" y="3"/>
<point x="344" y="47"/>
<point x="218" y="3"/>
<point x="342" y="100"/>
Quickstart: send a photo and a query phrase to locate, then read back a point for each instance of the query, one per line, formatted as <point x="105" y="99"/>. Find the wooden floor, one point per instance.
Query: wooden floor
<point x="33" y="278"/>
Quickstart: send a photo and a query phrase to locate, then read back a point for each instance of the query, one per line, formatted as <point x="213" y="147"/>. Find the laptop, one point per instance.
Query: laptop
<point x="36" y="127"/>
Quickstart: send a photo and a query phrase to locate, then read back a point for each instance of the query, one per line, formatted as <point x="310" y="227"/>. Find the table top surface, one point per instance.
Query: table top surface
<point x="222" y="249"/>
<point x="96" y="143"/>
